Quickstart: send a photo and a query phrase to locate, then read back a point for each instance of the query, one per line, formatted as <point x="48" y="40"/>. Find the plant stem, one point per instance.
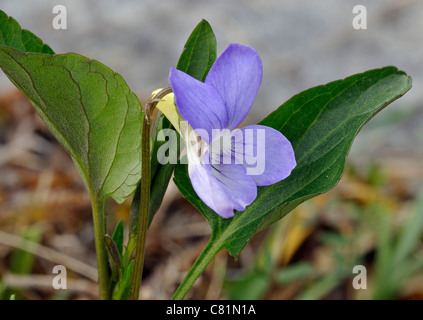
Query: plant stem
<point x="142" y="225"/>
<point x="210" y="251"/>
<point x="102" y="262"/>
<point x="144" y="209"/>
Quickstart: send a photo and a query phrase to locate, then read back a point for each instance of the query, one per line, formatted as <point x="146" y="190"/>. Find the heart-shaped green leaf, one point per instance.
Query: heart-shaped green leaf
<point x="12" y="35"/>
<point x="91" y="112"/>
<point x="321" y="124"/>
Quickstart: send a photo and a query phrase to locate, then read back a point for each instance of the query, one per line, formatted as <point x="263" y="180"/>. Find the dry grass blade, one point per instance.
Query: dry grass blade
<point x="45" y="283"/>
<point x="48" y="254"/>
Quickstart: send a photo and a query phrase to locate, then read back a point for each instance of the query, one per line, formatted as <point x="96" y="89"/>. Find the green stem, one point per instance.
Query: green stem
<point x="102" y="262"/>
<point x="210" y="251"/>
<point x="142" y="223"/>
<point x="144" y="209"/>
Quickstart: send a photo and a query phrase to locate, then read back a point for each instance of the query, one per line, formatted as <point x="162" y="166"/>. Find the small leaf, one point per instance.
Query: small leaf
<point x="12" y="35"/>
<point x="113" y="253"/>
<point x="128" y="255"/>
<point x="122" y="289"/>
<point x="90" y="110"/>
<point x="199" y="52"/>
<point x="321" y="124"/>
<point x="118" y="236"/>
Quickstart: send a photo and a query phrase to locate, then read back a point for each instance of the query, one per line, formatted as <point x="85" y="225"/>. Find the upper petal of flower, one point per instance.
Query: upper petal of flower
<point x="268" y="154"/>
<point x="237" y="76"/>
<point x="198" y="103"/>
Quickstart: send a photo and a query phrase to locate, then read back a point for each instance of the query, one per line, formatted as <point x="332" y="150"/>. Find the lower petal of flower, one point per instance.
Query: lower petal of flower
<point x="223" y="188"/>
<point x="210" y="190"/>
<point x="268" y="155"/>
<point x="240" y="187"/>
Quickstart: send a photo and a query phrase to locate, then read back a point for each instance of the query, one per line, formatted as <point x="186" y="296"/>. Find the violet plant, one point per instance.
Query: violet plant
<point x="241" y="180"/>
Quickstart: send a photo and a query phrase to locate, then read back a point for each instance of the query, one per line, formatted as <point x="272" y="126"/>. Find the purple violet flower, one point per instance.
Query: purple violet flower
<point x="224" y="176"/>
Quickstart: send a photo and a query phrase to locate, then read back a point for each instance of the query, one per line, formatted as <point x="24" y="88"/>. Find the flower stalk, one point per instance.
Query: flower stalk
<point x="142" y="224"/>
<point x="210" y="251"/>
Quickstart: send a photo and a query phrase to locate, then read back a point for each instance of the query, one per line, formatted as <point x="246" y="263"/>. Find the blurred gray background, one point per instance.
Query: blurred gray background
<point x="302" y="43"/>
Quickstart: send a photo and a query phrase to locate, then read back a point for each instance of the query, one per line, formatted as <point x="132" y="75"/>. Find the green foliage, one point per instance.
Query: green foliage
<point x="90" y="111"/>
<point x="13" y="36"/>
<point x="88" y="108"/>
<point x="399" y="256"/>
<point x="199" y="52"/>
<point x="94" y="115"/>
